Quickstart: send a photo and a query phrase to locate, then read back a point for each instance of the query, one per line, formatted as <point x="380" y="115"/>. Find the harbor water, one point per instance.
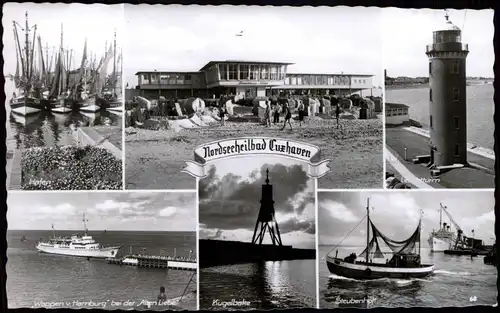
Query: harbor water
<point x="457" y="281"/>
<point x="263" y="286"/>
<point x="34" y="278"/>
<point x="46" y="129"/>
<point x="480" y="107"/>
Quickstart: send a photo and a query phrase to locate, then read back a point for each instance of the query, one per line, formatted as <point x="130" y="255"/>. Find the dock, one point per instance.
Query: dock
<point x="13" y="166"/>
<point x="154" y="261"/>
<point x="221" y="252"/>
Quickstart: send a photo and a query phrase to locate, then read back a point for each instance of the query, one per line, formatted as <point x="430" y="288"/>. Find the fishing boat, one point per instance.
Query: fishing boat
<point x="25" y="100"/>
<point x="111" y="96"/>
<point x="76" y="245"/>
<point x="405" y="262"/>
<point x="60" y="94"/>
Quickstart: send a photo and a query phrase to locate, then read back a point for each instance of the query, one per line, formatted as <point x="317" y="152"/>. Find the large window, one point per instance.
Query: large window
<point x="254" y="72"/>
<point x="274" y="72"/>
<point x="287" y="81"/>
<point x="264" y="70"/>
<point x="244" y="72"/>
<point x="330" y="80"/>
<point x="293" y="80"/>
<point x="223" y="71"/>
<point x="456" y="95"/>
<point x="187" y="77"/>
<point x="233" y="71"/>
<point x="299" y="80"/>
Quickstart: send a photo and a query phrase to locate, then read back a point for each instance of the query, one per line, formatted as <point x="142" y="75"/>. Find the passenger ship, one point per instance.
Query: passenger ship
<point x="76" y="245"/>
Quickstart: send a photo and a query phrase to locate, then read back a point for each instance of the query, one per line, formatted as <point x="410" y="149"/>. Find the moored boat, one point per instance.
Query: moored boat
<point x="76" y="245"/>
<point x="25" y="105"/>
<point x="405" y="261"/>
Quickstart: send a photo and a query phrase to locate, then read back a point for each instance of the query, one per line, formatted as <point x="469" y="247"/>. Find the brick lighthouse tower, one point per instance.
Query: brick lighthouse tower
<point x="447" y="97"/>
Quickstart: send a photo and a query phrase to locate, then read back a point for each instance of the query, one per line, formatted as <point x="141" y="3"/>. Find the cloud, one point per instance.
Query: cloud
<point x="294" y="224"/>
<point x="396" y="214"/>
<point x="167" y="212"/>
<point x="231" y="202"/>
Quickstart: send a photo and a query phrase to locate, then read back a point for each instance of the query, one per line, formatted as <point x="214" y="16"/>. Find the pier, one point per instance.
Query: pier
<point x="153" y="261"/>
<point x="220" y="252"/>
<point x="13" y="166"/>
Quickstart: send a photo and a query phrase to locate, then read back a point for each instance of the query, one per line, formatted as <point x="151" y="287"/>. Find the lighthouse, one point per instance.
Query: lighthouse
<point x="447" y="97"/>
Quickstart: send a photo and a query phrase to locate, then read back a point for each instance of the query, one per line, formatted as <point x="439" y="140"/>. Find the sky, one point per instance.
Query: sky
<point x="129" y="211"/>
<point x="396" y="214"/>
<point x="96" y="23"/>
<point x="317" y="39"/>
<point x="230" y="200"/>
<point x="407" y="32"/>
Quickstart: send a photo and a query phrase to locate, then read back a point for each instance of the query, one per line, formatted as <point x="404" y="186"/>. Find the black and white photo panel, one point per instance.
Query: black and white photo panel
<point x="211" y="78"/>
<point x="257" y="240"/>
<point x="439" y="98"/>
<point x="406" y="249"/>
<point x="64" y="96"/>
<point x="107" y="250"/>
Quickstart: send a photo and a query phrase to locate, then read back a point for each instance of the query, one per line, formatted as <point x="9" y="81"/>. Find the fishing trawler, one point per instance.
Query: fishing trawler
<point x="405" y="261"/>
<point x="25" y="101"/>
<point x="76" y="245"/>
<point x="60" y="94"/>
<point x="443" y="238"/>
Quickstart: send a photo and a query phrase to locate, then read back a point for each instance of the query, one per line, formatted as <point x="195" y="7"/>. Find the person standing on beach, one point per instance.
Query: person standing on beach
<point x="267" y="114"/>
<point x="277" y="111"/>
<point x="301" y="109"/>
<point x="222" y="113"/>
<point x="288" y="116"/>
<point x="337" y="114"/>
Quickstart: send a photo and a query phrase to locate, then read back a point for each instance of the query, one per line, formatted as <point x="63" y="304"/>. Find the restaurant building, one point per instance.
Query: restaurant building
<point x="248" y="79"/>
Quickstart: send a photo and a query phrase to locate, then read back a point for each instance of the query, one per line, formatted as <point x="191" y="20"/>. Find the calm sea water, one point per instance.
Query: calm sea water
<point x="33" y="276"/>
<point x="457" y="281"/>
<point x="266" y="285"/>
<point x="480" y="107"/>
<point x="51" y="129"/>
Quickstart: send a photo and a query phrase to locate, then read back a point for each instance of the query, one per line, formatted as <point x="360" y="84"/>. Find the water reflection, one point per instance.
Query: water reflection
<point x="51" y="129"/>
<point x="265" y="285"/>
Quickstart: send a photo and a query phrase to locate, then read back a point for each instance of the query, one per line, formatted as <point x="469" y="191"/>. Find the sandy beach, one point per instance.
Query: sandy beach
<point x="155" y="158"/>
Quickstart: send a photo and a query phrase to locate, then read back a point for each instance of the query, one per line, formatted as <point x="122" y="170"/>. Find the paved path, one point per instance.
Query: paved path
<point x="404" y="172"/>
<point x="397" y="139"/>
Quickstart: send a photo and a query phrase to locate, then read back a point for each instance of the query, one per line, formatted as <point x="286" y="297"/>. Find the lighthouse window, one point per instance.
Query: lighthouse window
<point x="456" y="122"/>
<point x="430" y="94"/>
<point x="455" y="94"/>
<point x="456" y="67"/>
<point x="430" y="122"/>
<point x="430" y="68"/>
<point x="456" y="150"/>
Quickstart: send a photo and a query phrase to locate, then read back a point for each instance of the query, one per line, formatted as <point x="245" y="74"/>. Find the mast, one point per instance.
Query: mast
<point x="114" y="64"/>
<point x="26" y="44"/>
<point x="440" y="215"/>
<point x="32" y="52"/>
<point x="19" y="49"/>
<point x="85" y="224"/>
<point x="367" y="228"/>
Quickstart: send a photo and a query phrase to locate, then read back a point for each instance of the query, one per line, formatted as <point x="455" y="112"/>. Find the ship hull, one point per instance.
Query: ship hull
<point x="467" y="252"/>
<point x="25" y="105"/>
<point x="439" y="245"/>
<point x="89" y="104"/>
<point x="373" y="271"/>
<point x="102" y="253"/>
<point x="62" y="106"/>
